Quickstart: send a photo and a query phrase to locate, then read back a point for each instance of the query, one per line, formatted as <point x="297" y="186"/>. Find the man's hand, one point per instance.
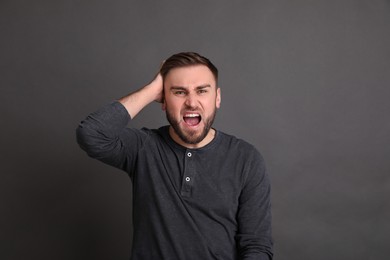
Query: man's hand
<point x="157" y="86"/>
<point x="136" y="101"/>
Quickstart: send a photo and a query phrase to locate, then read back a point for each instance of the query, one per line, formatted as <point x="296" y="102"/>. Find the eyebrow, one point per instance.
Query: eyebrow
<point x="203" y="86"/>
<point x="185" y="88"/>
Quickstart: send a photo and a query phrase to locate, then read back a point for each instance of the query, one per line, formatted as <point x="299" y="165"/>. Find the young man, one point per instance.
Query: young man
<point x="198" y="193"/>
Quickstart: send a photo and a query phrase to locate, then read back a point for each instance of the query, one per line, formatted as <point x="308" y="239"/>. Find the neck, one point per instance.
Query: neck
<point x="209" y="137"/>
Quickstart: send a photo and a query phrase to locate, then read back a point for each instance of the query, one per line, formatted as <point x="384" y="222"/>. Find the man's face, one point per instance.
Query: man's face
<point x="191" y="101"/>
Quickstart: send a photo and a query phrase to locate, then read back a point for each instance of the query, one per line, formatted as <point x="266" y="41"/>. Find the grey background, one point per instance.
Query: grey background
<point x="307" y="82"/>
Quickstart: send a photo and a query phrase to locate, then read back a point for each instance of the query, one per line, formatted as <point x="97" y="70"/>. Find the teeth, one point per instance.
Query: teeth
<point x="192" y="115"/>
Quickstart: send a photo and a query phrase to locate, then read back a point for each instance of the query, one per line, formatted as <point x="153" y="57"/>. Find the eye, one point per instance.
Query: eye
<point x="202" y="91"/>
<point x="179" y="92"/>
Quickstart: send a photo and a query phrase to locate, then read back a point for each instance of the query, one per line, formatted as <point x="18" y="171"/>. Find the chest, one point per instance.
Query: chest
<point x="206" y="180"/>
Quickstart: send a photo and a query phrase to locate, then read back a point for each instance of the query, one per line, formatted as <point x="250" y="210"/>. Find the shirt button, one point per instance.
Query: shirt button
<point x="189" y="154"/>
<point x="188" y="179"/>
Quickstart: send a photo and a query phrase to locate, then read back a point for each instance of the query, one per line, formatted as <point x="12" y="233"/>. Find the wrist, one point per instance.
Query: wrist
<point x="155" y="89"/>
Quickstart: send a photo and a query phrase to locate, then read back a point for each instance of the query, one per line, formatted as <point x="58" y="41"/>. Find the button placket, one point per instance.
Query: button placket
<point x="188" y="174"/>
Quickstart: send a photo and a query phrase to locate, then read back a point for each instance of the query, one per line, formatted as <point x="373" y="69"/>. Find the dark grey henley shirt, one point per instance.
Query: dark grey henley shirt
<point x="188" y="204"/>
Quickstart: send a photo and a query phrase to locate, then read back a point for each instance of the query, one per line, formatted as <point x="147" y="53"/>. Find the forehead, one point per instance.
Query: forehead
<point x="190" y="76"/>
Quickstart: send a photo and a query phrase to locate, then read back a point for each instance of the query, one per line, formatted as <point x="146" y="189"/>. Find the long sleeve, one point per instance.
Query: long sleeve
<point x="104" y="136"/>
<point x="254" y="215"/>
<point x="208" y="203"/>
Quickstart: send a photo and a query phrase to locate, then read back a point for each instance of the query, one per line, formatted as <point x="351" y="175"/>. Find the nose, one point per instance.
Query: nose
<point x="191" y="101"/>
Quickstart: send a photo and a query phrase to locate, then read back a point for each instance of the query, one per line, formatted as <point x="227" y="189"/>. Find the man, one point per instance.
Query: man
<point x="198" y="193"/>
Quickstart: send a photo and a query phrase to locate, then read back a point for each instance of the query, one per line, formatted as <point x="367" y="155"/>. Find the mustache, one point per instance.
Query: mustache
<point x="190" y="108"/>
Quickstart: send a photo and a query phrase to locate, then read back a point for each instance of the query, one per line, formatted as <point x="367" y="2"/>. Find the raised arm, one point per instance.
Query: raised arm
<point x="104" y="135"/>
<point x="137" y="100"/>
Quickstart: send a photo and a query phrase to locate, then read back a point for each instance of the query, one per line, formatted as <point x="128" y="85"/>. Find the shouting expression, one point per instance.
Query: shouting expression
<point x="191" y="100"/>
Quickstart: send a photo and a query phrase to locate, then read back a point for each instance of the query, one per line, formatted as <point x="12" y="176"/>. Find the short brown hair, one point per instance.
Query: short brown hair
<point x="185" y="59"/>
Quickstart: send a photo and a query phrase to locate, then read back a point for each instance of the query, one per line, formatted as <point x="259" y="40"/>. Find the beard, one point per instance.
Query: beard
<point x="188" y="136"/>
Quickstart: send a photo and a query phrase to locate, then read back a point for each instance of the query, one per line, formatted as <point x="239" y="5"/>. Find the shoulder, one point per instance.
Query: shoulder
<point x="240" y="145"/>
<point x="246" y="157"/>
<point x="150" y="135"/>
<point x="241" y="151"/>
<point x="148" y="131"/>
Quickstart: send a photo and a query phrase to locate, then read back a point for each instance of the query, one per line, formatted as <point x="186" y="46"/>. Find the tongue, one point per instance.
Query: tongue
<point x="192" y="121"/>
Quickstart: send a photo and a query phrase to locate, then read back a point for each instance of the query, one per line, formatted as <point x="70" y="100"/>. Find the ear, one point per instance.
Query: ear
<point x="218" y="98"/>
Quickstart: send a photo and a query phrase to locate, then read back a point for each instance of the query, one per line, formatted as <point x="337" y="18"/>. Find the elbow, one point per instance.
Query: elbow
<point x="89" y="140"/>
<point x="83" y="137"/>
<point x="97" y="144"/>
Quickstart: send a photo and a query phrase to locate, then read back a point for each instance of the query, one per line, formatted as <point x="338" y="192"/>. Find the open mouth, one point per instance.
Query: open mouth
<point x="192" y="119"/>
